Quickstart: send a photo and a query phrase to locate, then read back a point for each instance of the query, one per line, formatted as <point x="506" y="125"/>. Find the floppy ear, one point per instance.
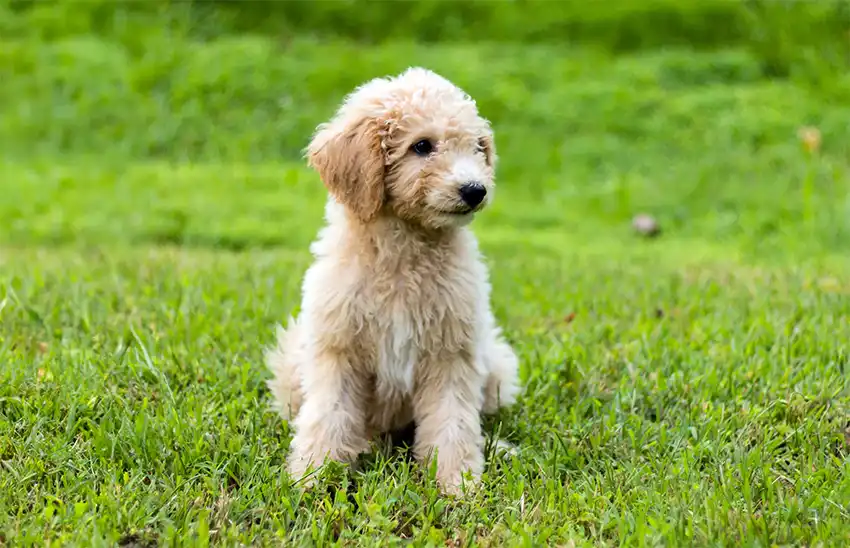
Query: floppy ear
<point x="351" y="164"/>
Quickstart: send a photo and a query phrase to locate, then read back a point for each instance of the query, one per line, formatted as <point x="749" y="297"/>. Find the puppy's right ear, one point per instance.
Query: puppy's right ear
<point x="350" y="161"/>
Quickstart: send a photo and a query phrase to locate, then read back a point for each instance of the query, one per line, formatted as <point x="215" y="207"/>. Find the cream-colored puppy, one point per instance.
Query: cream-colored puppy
<point x="395" y="324"/>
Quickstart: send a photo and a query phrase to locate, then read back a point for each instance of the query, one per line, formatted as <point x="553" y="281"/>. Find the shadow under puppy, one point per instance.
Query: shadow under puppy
<point x="396" y="325"/>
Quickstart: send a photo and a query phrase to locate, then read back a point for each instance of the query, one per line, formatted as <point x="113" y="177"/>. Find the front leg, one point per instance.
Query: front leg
<point x="331" y="422"/>
<point x="446" y="408"/>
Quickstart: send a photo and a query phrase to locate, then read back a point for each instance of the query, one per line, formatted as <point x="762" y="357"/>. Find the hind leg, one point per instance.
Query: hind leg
<point x="282" y="359"/>
<point x="502" y="385"/>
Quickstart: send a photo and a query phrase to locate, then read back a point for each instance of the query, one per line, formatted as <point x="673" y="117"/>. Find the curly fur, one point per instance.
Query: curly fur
<point x="396" y="324"/>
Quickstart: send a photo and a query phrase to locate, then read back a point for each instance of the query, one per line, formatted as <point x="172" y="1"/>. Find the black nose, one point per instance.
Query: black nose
<point x="472" y="193"/>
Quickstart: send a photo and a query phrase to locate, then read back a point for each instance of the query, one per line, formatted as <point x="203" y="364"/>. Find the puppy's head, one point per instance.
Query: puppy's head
<point x="412" y="146"/>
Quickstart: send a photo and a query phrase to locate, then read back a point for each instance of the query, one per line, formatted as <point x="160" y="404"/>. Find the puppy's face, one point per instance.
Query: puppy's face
<point x="413" y="146"/>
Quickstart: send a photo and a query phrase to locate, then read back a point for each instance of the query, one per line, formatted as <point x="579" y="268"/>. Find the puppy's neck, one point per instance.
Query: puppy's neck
<point x="388" y="228"/>
<point x="388" y="235"/>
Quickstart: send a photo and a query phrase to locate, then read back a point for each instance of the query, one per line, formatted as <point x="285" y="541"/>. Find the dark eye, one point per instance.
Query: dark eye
<point x="423" y="147"/>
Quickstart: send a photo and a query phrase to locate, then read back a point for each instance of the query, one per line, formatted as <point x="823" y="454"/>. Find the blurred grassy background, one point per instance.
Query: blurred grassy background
<point x="585" y="97"/>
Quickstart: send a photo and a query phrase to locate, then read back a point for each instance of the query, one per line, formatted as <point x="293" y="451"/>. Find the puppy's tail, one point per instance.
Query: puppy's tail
<point x="282" y="359"/>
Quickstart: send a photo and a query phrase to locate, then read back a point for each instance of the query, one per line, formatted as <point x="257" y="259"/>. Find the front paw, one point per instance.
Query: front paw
<point x="306" y="459"/>
<point x="457" y="483"/>
<point x="458" y="475"/>
<point x="302" y="469"/>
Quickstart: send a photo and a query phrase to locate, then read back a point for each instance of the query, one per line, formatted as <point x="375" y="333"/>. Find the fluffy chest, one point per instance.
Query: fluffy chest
<point x="415" y="316"/>
<point x="404" y="297"/>
<point x="396" y="337"/>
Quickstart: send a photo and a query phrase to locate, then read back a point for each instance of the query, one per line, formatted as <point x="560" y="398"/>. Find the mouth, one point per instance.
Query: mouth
<point x="461" y="211"/>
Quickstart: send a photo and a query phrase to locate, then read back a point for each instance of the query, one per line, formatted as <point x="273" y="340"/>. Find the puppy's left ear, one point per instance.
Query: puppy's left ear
<point x="350" y="162"/>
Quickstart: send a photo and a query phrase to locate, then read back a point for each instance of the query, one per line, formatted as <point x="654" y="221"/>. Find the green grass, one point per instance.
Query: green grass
<point x="155" y="216"/>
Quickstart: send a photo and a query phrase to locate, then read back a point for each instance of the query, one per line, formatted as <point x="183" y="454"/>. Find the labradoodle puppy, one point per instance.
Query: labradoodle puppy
<point x="395" y="325"/>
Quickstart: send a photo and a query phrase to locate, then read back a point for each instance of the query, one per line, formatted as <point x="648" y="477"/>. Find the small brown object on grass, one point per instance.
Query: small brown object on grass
<point x="646" y="225"/>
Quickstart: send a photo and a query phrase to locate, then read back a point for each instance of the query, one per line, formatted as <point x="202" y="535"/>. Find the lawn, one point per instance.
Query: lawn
<point x="155" y="218"/>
